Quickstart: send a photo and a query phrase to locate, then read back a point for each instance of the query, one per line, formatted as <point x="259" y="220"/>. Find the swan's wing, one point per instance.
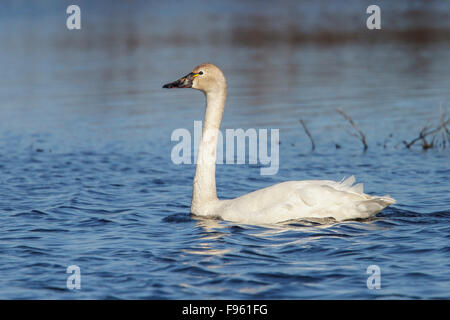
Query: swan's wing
<point x="305" y="199"/>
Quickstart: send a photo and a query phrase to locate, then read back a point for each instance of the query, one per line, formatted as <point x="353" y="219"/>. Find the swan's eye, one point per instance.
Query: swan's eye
<point x="200" y="73"/>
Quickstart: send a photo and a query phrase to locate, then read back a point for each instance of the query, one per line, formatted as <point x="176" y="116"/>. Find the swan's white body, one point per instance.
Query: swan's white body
<point x="294" y="200"/>
<point x="281" y="202"/>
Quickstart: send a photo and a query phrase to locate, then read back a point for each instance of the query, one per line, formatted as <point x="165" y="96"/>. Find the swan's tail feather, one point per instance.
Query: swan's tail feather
<point x="348" y="185"/>
<point x="374" y="205"/>
<point x="358" y="188"/>
<point x="387" y="200"/>
<point x="348" y="182"/>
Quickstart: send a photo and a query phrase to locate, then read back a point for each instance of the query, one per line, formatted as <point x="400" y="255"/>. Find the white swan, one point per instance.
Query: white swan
<point x="280" y="202"/>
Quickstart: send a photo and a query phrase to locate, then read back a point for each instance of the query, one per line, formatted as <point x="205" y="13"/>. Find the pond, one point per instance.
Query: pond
<point x="87" y="177"/>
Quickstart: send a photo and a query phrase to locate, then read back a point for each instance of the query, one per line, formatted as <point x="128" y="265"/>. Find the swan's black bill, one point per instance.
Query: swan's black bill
<point x="185" y="82"/>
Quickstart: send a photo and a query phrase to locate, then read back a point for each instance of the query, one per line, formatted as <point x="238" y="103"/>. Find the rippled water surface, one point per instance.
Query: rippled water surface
<point x="85" y="154"/>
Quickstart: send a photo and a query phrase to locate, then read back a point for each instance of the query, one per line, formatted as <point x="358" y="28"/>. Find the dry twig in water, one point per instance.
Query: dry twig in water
<point x="427" y="131"/>
<point x="361" y="136"/>
<point x="313" y="145"/>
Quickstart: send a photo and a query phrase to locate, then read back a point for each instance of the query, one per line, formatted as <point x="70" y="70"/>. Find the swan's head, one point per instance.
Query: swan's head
<point x="205" y="77"/>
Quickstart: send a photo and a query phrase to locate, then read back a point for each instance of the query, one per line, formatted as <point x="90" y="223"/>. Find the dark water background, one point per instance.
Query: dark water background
<point x="85" y="169"/>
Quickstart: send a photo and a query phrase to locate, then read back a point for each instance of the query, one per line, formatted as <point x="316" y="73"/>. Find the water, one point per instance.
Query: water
<point x="85" y="146"/>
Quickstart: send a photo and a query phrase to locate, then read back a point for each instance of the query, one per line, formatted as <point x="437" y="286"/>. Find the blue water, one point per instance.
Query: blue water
<point x="87" y="179"/>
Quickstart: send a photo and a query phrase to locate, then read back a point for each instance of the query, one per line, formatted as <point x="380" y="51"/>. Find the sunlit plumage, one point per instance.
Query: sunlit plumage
<point x="284" y="201"/>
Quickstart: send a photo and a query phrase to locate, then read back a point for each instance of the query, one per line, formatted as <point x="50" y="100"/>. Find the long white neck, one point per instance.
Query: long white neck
<point x="204" y="186"/>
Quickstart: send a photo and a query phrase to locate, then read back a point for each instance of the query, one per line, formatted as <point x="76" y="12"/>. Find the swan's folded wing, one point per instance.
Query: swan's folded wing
<point x="306" y="199"/>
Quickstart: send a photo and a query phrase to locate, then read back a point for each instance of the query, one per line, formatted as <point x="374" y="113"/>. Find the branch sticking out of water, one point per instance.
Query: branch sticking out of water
<point x="361" y="134"/>
<point x="427" y="130"/>
<point x="313" y="145"/>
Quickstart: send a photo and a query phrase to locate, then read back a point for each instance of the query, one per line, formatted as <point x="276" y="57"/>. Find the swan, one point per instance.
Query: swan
<point x="291" y="200"/>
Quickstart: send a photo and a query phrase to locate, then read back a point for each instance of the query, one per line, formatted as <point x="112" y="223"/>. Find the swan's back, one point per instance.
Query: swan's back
<point x="293" y="200"/>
